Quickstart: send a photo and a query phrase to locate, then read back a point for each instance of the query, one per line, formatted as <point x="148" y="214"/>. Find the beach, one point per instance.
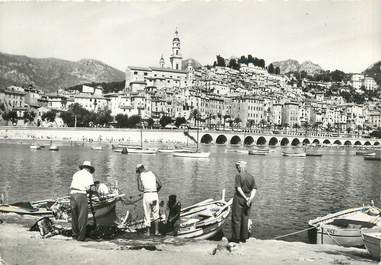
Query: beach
<point x="20" y="246"/>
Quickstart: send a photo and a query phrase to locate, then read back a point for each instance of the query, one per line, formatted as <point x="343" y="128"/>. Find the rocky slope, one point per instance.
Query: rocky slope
<point x="291" y="65"/>
<point x="50" y="74"/>
<point x="374" y="71"/>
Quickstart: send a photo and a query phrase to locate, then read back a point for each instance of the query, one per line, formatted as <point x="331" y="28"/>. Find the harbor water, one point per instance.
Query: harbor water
<point x="291" y="190"/>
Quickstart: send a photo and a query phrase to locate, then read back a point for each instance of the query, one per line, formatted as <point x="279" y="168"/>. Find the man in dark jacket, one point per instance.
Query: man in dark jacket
<point x="245" y="189"/>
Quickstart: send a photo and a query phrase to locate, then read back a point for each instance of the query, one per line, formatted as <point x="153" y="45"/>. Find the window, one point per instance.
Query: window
<point x="177" y="52"/>
<point x="135" y="73"/>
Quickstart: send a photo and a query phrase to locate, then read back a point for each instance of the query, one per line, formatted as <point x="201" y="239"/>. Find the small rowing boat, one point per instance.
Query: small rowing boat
<point x="344" y="227"/>
<point x="202" y="220"/>
<point x="292" y="154"/>
<point x="258" y="152"/>
<point x="191" y="154"/>
<point x="372" y="158"/>
<point x="35" y="147"/>
<point x="53" y="148"/>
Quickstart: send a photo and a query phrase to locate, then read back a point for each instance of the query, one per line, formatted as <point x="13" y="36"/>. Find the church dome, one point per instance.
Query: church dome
<point x="176" y="39"/>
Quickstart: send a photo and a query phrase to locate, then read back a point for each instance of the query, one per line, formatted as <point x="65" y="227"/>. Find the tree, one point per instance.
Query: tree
<point x="296" y="126"/>
<point x="226" y="116"/>
<point x="262" y="122"/>
<point x="277" y="70"/>
<point x="220" y="61"/>
<point x="104" y="117"/>
<point x="179" y="121"/>
<point x="133" y="121"/>
<point x="271" y="69"/>
<point x="29" y="116"/>
<point x="165" y="120"/>
<point x="150" y="122"/>
<point x="376" y="133"/>
<point x="233" y="64"/>
<point x="49" y="116"/>
<point x="121" y="120"/>
<point x="237" y="121"/>
<point x="195" y="114"/>
<point x="329" y="127"/>
<point x="10" y="116"/>
<point x="68" y="118"/>
<point x="261" y="63"/>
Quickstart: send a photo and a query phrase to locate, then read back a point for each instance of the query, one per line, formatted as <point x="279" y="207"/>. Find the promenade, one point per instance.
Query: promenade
<point x="174" y="136"/>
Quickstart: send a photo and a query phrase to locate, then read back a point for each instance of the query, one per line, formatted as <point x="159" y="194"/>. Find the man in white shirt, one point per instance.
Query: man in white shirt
<point x="150" y="184"/>
<point x="81" y="183"/>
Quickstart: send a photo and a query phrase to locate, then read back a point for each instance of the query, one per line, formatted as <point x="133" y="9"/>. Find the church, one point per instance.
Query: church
<point x="138" y="78"/>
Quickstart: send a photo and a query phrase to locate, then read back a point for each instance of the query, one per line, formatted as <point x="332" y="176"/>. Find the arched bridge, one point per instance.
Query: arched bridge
<point x="248" y="139"/>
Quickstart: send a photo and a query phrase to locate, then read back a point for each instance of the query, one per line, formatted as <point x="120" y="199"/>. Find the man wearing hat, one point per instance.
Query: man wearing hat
<point x="81" y="183"/>
<point x="245" y="189"/>
<point x="150" y="184"/>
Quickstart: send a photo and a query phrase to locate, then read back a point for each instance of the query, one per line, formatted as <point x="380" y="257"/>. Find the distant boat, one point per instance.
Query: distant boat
<point x="361" y="153"/>
<point x="314" y="154"/>
<point x="35" y="147"/>
<point x="369" y="154"/>
<point x="294" y="154"/>
<point x="372" y="158"/>
<point x="372" y="242"/>
<point x="142" y="151"/>
<point x="191" y="154"/>
<point x="258" y="152"/>
<point x="53" y="148"/>
<point x="96" y="147"/>
<point x="344" y="228"/>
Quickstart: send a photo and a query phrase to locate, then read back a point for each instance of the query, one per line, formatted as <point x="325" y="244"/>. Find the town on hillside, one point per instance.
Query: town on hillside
<point x="230" y="94"/>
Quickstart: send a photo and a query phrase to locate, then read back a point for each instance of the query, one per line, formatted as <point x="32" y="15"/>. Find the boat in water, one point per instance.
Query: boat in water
<point x="314" y="154"/>
<point x="53" y="148"/>
<point x="294" y="154"/>
<point x="191" y="154"/>
<point x="35" y="147"/>
<point x="257" y="152"/>
<point x="344" y="228"/>
<point x="372" y="158"/>
<point x="202" y="220"/>
<point x="372" y="242"/>
<point x="365" y="153"/>
<point x="141" y="150"/>
<point x="239" y="151"/>
<point x="96" y="148"/>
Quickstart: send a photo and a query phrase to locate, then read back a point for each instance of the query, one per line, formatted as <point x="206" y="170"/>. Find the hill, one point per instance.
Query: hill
<point x="194" y="63"/>
<point x="49" y="74"/>
<point x="374" y="71"/>
<point x="291" y="65"/>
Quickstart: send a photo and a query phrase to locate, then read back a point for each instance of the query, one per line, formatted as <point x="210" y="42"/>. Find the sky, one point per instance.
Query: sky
<point x="343" y="35"/>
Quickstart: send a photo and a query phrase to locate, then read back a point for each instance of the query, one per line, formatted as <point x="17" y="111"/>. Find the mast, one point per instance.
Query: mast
<point x="141" y="136"/>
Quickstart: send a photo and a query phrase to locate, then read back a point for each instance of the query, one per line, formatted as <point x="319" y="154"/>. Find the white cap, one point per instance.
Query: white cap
<point x="139" y="166"/>
<point x="241" y="163"/>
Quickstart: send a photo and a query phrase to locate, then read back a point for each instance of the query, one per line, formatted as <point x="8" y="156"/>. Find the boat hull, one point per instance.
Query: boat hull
<point x="372" y="242"/>
<point x="294" y="154"/>
<point x="191" y="154"/>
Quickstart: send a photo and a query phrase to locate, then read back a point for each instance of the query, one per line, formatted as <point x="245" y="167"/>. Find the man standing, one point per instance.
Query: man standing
<point x="150" y="184"/>
<point x="80" y="185"/>
<point x="245" y="189"/>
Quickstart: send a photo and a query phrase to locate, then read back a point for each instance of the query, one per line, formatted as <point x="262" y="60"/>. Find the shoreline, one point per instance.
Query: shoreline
<point x="19" y="246"/>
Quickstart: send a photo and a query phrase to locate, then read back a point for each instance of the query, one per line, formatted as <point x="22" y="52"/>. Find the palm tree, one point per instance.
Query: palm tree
<point x="195" y="114"/>
<point x="306" y="125"/>
<point x="359" y="128"/>
<point x="219" y="115"/>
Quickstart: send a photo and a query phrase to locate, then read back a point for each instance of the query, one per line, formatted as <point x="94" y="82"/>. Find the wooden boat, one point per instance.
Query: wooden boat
<point x="60" y="208"/>
<point x="372" y="158"/>
<point x="191" y="154"/>
<point x="294" y="154"/>
<point x="372" y="242"/>
<point x="97" y="148"/>
<point x="53" y="148"/>
<point x="35" y="147"/>
<point x="369" y="154"/>
<point x="141" y="151"/>
<point x="344" y="228"/>
<point x="202" y="220"/>
<point x="258" y="152"/>
<point x="362" y="153"/>
<point x="314" y="154"/>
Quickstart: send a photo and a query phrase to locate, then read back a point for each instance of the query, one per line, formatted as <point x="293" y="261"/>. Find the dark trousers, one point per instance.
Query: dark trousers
<point x="79" y="213"/>
<point x="240" y="219"/>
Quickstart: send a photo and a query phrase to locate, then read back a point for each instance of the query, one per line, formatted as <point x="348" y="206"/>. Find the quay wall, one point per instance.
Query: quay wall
<point x="114" y="135"/>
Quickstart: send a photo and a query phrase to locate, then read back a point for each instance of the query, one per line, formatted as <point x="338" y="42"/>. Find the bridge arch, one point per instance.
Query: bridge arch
<point x="337" y="142"/>
<point x="206" y="139"/>
<point x="306" y="141"/>
<point x="221" y="139"/>
<point x="347" y="142"/>
<point x="235" y="140"/>
<point x="326" y="141"/>
<point x="316" y="141"/>
<point x="367" y="143"/>
<point x="357" y="143"/>
<point x="273" y="141"/>
<point x="261" y="140"/>
<point x="295" y="142"/>
<point x="376" y="143"/>
<point x="249" y="140"/>
<point x="284" y="141"/>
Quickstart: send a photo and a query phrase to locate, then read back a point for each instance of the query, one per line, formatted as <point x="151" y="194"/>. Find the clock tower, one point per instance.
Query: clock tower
<point x="176" y="57"/>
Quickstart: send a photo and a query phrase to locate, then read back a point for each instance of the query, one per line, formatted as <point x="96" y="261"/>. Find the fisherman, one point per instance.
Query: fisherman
<point x="245" y="189"/>
<point x="150" y="184"/>
<point x="174" y="211"/>
<point x="82" y="183"/>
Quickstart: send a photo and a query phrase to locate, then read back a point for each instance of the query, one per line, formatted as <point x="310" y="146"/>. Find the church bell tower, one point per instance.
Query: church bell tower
<point x="176" y="57"/>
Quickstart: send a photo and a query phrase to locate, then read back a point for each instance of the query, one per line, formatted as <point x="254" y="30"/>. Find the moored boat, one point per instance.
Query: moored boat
<point x="372" y="242"/>
<point x="97" y="148"/>
<point x="202" y="220"/>
<point x="294" y="154"/>
<point x="53" y="148"/>
<point x="191" y="154"/>
<point x="344" y="228"/>
<point x="141" y="150"/>
<point x="35" y="147"/>
<point x="259" y="152"/>
<point x="239" y="151"/>
<point x="372" y="158"/>
<point x="314" y="154"/>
